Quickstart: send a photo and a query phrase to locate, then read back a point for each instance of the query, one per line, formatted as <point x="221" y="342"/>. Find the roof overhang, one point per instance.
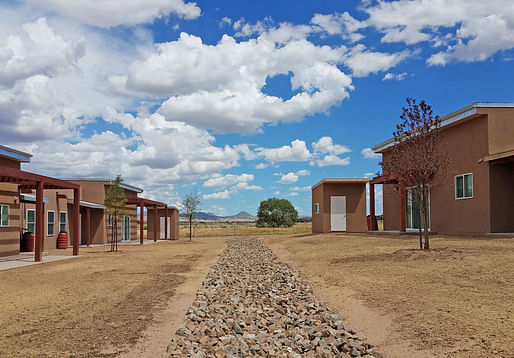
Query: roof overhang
<point x="27" y="180"/>
<point x="88" y="204"/>
<point x="146" y="202"/>
<point x="32" y="198"/>
<point x="499" y="158"/>
<point x="14" y="154"/>
<point x="451" y="118"/>
<point x="342" y="181"/>
<point x="108" y="182"/>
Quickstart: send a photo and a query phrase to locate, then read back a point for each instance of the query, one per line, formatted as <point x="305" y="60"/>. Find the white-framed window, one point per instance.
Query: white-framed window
<point x="316" y="208"/>
<point x="62" y="221"/>
<point x="31" y="220"/>
<point x="464" y="186"/>
<point x="50" y="220"/>
<point x="4" y="215"/>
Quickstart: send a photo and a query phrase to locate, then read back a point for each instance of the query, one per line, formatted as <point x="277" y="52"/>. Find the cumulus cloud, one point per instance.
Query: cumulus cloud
<point x="363" y="62"/>
<point x="223" y="181"/>
<point x="296" y="152"/>
<point x="394" y="76"/>
<point x="110" y="13"/>
<point x="219" y="195"/>
<point x="290" y="178"/>
<point x="330" y="160"/>
<point x="300" y="188"/>
<point x="261" y="166"/>
<point x="326" y="153"/>
<point x="339" y="24"/>
<point x="368" y="153"/>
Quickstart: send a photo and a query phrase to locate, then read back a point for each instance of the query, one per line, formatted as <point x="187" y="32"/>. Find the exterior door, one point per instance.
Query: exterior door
<point x="161" y="227"/>
<point x="125" y="228"/>
<point x="412" y="219"/>
<point x="338" y="213"/>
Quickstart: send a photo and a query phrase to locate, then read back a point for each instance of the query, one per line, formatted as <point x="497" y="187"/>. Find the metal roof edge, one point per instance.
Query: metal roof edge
<point x="15" y="154"/>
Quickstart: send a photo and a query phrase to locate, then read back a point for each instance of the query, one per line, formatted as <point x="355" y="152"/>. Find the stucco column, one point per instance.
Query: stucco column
<point x="141" y="221"/>
<point x="88" y="226"/>
<point x="40" y="222"/>
<point x="166" y="222"/>
<point x="401" y="201"/>
<point x="155" y="223"/>
<point x="372" y="207"/>
<point x="76" y="218"/>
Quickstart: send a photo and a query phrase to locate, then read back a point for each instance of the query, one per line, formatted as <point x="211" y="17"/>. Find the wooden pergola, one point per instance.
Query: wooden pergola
<point x="30" y="181"/>
<point x="387" y="179"/>
<point x="142" y="203"/>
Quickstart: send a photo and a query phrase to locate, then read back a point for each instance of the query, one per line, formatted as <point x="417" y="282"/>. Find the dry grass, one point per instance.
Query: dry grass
<point x="209" y="229"/>
<point x="455" y="301"/>
<point x="101" y="300"/>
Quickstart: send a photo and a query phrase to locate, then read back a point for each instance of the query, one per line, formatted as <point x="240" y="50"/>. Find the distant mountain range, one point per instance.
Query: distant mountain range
<point x="243" y="215"/>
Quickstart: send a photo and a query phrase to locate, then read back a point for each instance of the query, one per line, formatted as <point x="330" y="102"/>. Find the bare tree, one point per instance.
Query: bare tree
<point x="191" y="204"/>
<point x="418" y="158"/>
<point x="115" y="202"/>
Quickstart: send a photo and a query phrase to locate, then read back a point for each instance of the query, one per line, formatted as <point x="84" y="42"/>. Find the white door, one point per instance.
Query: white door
<point x="161" y="227"/>
<point x="338" y="213"/>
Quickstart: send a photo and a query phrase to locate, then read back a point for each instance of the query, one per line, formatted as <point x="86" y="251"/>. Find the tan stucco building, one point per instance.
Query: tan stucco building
<point x="477" y="193"/>
<point x="339" y="205"/>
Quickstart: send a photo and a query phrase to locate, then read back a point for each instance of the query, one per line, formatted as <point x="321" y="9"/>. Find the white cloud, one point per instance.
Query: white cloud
<point x="339" y="24"/>
<point x="261" y="166"/>
<point x="326" y="145"/>
<point x="300" y="188"/>
<point x="222" y="181"/>
<point x="292" y="194"/>
<point x="246" y="186"/>
<point x="219" y="195"/>
<point x="110" y="13"/>
<point x="225" y="21"/>
<point x="296" y="152"/>
<point x="363" y="62"/>
<point x="290" y="178"/>
<point x="368" y="153"/>
<point x="330" y="160"/>
<point x="395" y="76"/>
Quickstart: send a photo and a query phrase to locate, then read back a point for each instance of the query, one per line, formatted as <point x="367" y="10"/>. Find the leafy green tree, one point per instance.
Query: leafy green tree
<point x="276" y="212"/>
<point x="191" y="204"/>
<point x="115" y="202"/>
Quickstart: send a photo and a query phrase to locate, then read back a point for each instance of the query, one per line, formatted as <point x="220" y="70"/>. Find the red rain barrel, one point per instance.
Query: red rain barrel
<point x="27" y="242"/>
<point x="62" y="240"/>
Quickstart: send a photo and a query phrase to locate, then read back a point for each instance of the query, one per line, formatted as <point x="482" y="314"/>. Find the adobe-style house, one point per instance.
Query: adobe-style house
<point x="477" y="194"/>
<point x="339" y="205"/>
<point x="16" y="189"/>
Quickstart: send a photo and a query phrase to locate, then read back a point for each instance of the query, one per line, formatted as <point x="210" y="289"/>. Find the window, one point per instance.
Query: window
<point x="464" y="186"/>
<point x="109" y="219"/>
<point x="62" y="221"/>
<point x="316" y="208"/>
<point x="31" y="220"/>
<point x="50" y="216"/>
<point x="4" y="215"/>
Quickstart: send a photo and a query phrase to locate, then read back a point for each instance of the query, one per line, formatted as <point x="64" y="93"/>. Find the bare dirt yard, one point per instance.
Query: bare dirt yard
<point x="103" y="304"/>
<point x="455" y="301"/>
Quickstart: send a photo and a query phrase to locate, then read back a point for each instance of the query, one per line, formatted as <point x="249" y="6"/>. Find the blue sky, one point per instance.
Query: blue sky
<point x="239" y="100"/>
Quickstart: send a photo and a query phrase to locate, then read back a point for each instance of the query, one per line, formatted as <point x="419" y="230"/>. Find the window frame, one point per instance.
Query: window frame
<point x="2" y="208"/>
<point x="316" y="208"/>
<point x="48" y="223"/>
<point x="463" y="176"/>
<point x="63" y="223"/>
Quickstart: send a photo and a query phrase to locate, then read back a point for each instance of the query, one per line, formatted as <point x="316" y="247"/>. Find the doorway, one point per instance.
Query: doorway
<point x="338" y="213"/>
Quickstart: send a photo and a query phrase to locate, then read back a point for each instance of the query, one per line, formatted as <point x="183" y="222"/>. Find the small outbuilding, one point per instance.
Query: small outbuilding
<point x="339" y="205"/>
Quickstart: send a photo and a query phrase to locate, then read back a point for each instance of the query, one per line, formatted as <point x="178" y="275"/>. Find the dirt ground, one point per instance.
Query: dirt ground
<point x="455" y="301"/>
<point x="102" y="303"/>
<point x="216" y="228"/>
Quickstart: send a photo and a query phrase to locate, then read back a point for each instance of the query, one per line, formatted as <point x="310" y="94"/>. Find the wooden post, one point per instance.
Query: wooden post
<point x="141" y="221"/>
<point x="372" y="207"/>
<point x="76" y="218"/>
<point x="166" y="222"/>
<point x="401" y="201"/>
<point x="155" y="223"/>
<point x="88" y="226"/>
<point x="40" y="222"/>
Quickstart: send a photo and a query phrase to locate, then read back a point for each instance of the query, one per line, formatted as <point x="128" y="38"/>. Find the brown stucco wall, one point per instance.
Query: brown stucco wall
<point x="467" y="143"/>
<point x="9" y="163"/>
<point x="502" y="197"/>
<point x="172" y="214"/>
<point x="500" y="129"/>
<point x="355" y="206"/>
<point x="10" y="235"/>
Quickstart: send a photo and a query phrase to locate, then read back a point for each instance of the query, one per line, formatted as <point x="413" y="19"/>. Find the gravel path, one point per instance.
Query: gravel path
<point x="251" y="304"/>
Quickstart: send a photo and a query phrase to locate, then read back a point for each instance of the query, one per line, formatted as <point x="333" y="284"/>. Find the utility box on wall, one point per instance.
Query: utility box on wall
<point x="339" y="205"/>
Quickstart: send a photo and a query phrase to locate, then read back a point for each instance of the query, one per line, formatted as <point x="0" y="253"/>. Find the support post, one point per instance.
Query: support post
<point x="166" y="222"/>
<point x="372" y="207"/>
<point x="401" y="201"/>
<point x="76" y="218"/>
<point x="141" y="221"/>
<point x="88" y="226"/>
<point x="40" y="222"/>
<point x="155" y="223"/>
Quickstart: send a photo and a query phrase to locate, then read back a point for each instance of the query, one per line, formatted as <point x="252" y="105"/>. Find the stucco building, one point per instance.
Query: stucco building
<point x="477" y="193"/>
<point x="339" y="205"/>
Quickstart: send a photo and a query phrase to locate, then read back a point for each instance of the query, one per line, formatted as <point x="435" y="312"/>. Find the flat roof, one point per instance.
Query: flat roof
<point x="108" y="181"/>
<point x="453" y="117"/>
<point x="342" y="180"/>
<point x="14" y="154"/>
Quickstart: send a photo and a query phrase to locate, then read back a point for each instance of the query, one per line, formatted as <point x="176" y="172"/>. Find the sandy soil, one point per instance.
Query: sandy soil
<point x="86" y="306"/>
<point x="455" y="301"/>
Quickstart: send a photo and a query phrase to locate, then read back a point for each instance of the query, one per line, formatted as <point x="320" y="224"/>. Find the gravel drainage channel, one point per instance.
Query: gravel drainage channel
<point x="251" y="304"/>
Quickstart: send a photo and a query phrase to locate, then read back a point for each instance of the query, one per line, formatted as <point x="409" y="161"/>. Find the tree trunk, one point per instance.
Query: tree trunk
<point x="425" y="218"/>
<point x="190" y="227"/>
<point x="420" y="232"/>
